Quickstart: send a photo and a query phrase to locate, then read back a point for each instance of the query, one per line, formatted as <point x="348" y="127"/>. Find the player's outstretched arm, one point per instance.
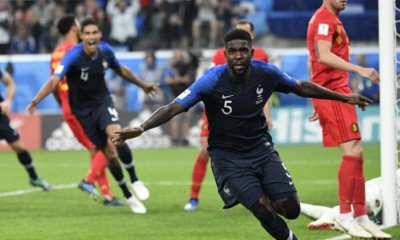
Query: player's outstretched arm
<point x="127" y="74"/>
<point x="10" y="91"/>
<point x="159" y="117"/>
<point x="312" y="90"/>
<point x="43" y="92"/>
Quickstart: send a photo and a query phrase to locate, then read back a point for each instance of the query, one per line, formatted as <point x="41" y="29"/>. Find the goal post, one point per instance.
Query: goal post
<point x="388" y="101"/>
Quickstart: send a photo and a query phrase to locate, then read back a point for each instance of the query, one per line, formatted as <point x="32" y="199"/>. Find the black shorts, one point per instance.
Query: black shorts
<point x="96" y="122"/>
<point x="6" y="131"/>
<point x="244" y="179"/>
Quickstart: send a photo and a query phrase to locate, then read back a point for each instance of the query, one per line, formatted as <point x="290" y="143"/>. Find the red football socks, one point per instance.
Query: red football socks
<point x="199" y="172"/>
<point x="97" y="172"/>
<point x="346" y="177"/>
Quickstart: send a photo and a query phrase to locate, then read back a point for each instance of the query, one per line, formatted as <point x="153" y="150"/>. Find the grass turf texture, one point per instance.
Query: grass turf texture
<point x="69" y="213"/>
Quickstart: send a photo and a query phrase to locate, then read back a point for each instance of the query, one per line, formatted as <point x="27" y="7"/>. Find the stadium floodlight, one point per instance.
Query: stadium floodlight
<point x="388" y="109"/>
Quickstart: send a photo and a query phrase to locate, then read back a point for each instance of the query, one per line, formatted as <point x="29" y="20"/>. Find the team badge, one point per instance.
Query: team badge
<point x="105" y="64"/>
<point x="354" y="127"/>
<point x="227" y="191"/>
<point x="377" y="203"/>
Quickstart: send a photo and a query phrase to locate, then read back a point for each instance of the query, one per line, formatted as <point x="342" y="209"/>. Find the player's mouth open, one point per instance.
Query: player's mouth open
<point x="239" y="67"/>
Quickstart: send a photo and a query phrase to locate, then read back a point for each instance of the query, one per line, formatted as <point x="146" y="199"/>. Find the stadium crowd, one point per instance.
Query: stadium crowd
<point x="30" y="26"/>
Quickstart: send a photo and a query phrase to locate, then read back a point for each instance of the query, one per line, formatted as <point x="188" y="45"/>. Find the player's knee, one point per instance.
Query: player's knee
<point x="262" y="213"/>
<point x="292" y="208"/>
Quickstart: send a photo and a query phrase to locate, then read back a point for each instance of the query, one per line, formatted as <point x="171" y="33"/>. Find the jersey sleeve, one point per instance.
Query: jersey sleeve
<point x="66" y="62"/>
<point x="284" y="82"/>
<point x="195" y="92"/>
<point x="109" y="52"/>
<point x="325" y="27"/>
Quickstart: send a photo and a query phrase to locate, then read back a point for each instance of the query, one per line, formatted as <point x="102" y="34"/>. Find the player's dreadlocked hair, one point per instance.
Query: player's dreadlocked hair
<point x="237" y="34"/>
<point x="65" y="24"/>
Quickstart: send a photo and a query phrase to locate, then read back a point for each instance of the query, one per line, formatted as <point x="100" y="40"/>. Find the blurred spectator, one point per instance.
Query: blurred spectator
<point x="91" y="8"/>
<point x="188" y="10"/>
<point x="123" y="22"/>
<point x="224" y="16"/>
<point x="40" y="17"/>
<point x="80" y="12"/>
<point x="151" y="72"/>
<point x="169" y="24"/>
<point x="23" y="42"/>
<point x="206" y="18"/>
<point x="364" y="86"/>
<point x="5" y="26"/>
<point x="44" y="11"/>
<point x="147" y="9"/>
<point x="37" y="30"/>
<point x="104" y="24"/>
<point x="67" y="5"/>
<point x="183" y="67"/>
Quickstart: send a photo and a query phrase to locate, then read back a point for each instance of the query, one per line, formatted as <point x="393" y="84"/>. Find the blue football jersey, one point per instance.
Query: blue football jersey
<point x="1" y="77"/>
<point x="235" y="109"/>
<point x="85" y="76"/>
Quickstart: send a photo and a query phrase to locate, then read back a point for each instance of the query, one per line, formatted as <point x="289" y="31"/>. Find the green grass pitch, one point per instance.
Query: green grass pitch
<point x="68" y="213"/>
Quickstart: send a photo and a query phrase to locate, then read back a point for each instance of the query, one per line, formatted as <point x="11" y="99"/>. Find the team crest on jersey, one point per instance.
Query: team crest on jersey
<point x="259" y="92"/>
<point x="105" y="64"/>
<point x="227" y="191"/>
<point x="377" y="203"/>
<point x="354" y="127"/>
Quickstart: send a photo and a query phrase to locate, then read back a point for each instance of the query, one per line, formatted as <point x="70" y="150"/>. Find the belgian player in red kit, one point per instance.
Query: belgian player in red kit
<point x="329" y="66"/>
<point x="200" y="166"/>
<point x="68" y="27"/>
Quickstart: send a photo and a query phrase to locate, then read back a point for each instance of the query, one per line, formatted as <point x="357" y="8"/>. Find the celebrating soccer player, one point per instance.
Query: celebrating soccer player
<point x="246" y="166"/>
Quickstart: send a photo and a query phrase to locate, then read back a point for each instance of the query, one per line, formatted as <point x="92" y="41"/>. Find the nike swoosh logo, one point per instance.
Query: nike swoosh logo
<point x="290" y="183"/>
<point x="227" y="96"/>
<point x="84" y="69"/>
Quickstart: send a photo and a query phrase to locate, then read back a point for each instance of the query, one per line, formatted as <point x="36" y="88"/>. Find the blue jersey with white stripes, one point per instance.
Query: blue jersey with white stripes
<point x="85" y="76"/>
<point x="235" y="109"/>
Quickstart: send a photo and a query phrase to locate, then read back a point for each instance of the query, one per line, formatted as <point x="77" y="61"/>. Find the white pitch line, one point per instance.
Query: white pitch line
<point x="74" y="185"/>
<point x="31" y="190"/>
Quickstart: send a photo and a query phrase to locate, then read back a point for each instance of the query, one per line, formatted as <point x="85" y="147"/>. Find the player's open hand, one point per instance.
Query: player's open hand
<point x="359" y="100"/>
<point x="371" y="74"/>
<point x="125" y="134"/>
<point x="313" y="117"/>
<point x="151" y="89"/>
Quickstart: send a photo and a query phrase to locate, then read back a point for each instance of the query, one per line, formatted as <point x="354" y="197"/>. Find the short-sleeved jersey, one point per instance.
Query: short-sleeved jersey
<point x="219" y="56"/>
<point x="56" y="57"/>
<point x="235" y="109"/>
<point x="85" y="76"/>
<point x="324" y="25"/>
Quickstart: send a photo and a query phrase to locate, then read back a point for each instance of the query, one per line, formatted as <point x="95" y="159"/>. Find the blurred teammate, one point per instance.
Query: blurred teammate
<point x="325" y="216"/>
<point x="329" y="46"/>
<point x="246" y="166"/>
<point x="69" y="27"/>
<point x="84" y="66"/>
<point x="12" y="137"/>
<point x="200" y="166"/>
